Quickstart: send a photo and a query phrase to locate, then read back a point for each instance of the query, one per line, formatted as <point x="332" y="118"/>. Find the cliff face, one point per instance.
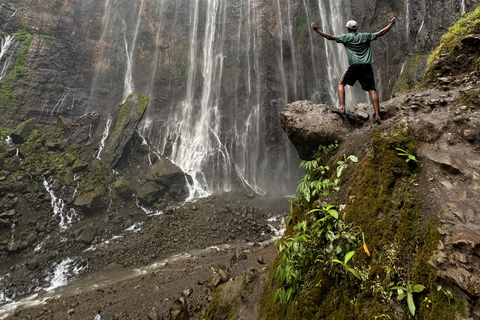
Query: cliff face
<point x="231" y="71"/>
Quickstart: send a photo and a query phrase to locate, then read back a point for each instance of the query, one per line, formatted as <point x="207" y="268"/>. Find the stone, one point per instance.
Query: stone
<point x="179" y="309"/>
<point x="466" y="238"/>
<point x="14" y="246"/>
<point x="362" y="114"/>
<point x="22" y="132"/>
<point x="4" y="224"/>
<point x="154" y="316"/>
<point x="187" y="292"/>
<point x="447" y="184"/>
<point x="149" y="192"/>
<point x="86" y="234"/>
<point x="251" y="275"/>
<point x="309" y="125"/>
<point x="215" y="280"/>
<point x="165" y="173"/>
<point x="90" y="201"/>
<point x="123" y="127"/>
<point x="476" y="179"/>
<point x="261" y="260"/>
<point x="123" y="189"/>
<point x="470" y="135"/>
<point x="79" y="166"/>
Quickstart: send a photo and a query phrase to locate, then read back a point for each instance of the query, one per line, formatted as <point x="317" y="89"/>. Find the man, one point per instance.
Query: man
<point x="360" y="60"/>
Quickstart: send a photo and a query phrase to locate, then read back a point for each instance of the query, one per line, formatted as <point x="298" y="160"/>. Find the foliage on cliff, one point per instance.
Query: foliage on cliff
<point x="378" y="198"/>
<point x="454" y="55"/>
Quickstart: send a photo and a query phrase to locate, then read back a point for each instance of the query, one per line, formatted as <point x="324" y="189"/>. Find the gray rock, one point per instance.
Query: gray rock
<point x="179" y="309"/>
<point x="90" y="201"/>
<point x="153" y="316"/>
<point x="22" y="132"/>
<point x="86" y="234"/>
<point x="123" y="189"/>
<point x="309" y="125"/>
<point x="123" y="127"/>
<point x="215" y="280"/>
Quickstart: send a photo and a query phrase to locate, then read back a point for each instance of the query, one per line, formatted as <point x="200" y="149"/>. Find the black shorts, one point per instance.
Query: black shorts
<point x="361" y="72"/>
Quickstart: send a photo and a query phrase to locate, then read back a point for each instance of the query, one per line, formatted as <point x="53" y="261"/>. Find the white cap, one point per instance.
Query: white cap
<point x="352" y="24"/>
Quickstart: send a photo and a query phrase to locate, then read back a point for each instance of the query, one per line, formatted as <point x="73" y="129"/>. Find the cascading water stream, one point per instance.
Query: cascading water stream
<point x="128" y="86"/>
<point x="104" y="137"/>
<point x="4" y="48"/>
<point x="59" y="208"/>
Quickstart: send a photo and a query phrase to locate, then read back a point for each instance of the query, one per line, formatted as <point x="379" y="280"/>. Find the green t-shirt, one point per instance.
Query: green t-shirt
<point x="357" y="46"/>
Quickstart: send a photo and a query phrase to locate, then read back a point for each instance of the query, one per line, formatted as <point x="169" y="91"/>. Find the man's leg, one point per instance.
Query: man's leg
<point x="376" y="104"/>
<point x="341" y="95"/>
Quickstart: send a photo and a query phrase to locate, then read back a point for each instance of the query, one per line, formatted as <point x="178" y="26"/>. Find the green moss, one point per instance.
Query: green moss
<point x="450" y="44"/>
<point x="5" y="132"/>
<point x="7" y="91"/>
<point x="387" y="208"/>
<point x="46" y="36"/>
<point x="142" y="106"/>
<point x="408" y="78"/>
<point x="183" y="70"/>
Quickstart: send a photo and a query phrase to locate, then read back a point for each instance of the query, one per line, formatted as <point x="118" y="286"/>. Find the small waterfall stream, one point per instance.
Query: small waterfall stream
<point x="5" y="44"/>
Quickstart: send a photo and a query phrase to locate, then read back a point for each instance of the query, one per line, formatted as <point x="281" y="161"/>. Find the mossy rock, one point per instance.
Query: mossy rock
<point x="455" y="55"/>
<point x="123" y="189"/>
<point x="90" y="201"/>
<point x="79" y="166"/>
<point x="21" y="134"/>
<point x="149" y="192"/>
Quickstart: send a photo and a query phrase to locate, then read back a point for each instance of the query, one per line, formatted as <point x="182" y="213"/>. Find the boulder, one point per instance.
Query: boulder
<point x="23" y="131"/>
<point x="123" y="189"/>
<point x="91" y="200"/>
<point x="165" y="173"/>
<point x="86" y="234"/>
<point x="179" y="309"/>
<point x="309" y="125"/>
<point x="150" y="192"/>
<point x="123" y="127"/>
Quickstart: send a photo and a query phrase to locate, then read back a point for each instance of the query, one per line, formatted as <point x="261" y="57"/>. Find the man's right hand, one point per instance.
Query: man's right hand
<point x="314" y="26"/>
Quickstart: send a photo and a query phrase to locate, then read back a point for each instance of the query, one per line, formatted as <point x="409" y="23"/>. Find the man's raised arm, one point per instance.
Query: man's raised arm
<point x="323" y="34"/>
<point x="385" y="30"/>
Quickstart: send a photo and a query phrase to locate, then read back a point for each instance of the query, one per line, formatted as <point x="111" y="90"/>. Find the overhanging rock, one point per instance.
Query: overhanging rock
<point x="309" y="125"/>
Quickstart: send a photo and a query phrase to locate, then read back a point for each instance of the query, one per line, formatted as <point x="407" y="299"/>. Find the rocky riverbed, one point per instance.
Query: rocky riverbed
<point x="145" y="269"/>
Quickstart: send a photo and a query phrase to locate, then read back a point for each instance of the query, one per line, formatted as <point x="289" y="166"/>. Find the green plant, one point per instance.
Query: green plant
<point x="344" y="263"/>
<point x="408" y="291"/>
<point x="319" y="239"/>
<point x="427" y="302"/>
<point x="407" y="155"/>
<point x="315" y="183"/>
<point x="447" y="293"/>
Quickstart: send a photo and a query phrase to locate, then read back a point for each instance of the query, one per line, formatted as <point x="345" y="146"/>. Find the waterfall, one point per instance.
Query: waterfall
<point x="128" y="86"/>
<point x="59" y="208"/>
<point x="462" y="7"/>
<point x="4" y="47"/>
<point x="218" y="74"/>
<point x="104" y="137"/>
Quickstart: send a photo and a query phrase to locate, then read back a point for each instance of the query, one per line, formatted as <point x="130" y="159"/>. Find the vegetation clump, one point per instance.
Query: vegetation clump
<point x="452" y="56"/>
<point x="323" y="271"/>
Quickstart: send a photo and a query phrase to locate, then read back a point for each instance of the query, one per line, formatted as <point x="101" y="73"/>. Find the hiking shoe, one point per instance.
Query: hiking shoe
<point x="338" y="111"/>
<point x="378" y="121"/>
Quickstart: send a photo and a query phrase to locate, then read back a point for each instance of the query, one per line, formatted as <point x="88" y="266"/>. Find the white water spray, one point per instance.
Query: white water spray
<point x="59" y="209"/>
<point x="104" y="137"/>
<point x="5" y="44"/>
<point x="130" y="50"/>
